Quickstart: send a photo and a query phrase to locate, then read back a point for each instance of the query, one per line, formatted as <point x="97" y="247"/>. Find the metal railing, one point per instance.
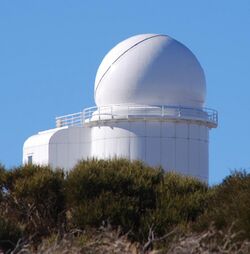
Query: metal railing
<point x="136" y="112"/>
<point x="75" y="119"/>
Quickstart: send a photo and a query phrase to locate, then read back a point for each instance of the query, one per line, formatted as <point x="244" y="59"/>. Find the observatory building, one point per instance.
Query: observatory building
<point x="150" y="93"/>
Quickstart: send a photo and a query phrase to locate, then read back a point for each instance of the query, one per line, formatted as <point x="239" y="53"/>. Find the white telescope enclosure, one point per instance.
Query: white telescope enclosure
<point x="150" y="93"/>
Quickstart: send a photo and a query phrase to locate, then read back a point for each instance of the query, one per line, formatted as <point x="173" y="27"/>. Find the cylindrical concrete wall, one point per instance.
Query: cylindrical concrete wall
<point x="182" y="147"/>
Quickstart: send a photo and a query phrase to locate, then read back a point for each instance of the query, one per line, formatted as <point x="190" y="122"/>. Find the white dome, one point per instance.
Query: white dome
<point x="150" y="69"/>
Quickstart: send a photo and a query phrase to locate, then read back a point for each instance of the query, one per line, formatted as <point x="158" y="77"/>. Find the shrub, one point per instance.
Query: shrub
<point x="2" y="181"/>
<point x="9" y="234"/>
<point x="119" y="191"/>
<point x="181" y="200"/>
<point x="36" y="198"/>
<point x="230" y="204"/>
<point x="133" y="196"/>
<point x="127" y="195"/>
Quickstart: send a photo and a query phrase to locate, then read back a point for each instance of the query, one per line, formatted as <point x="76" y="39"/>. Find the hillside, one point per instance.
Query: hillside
<point x="118" y="206"/>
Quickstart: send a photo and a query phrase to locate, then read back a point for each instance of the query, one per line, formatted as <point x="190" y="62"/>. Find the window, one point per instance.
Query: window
<point x="30" y="158"/>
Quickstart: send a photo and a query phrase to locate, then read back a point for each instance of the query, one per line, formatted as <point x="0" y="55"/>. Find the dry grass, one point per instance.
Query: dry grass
<point x="210" y="242"/>
<point x="106" y="240"/>
<point x="103" y="240"/>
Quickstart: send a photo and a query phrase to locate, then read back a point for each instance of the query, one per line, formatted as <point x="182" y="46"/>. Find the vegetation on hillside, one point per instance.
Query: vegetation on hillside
<point x="141" y="207"/>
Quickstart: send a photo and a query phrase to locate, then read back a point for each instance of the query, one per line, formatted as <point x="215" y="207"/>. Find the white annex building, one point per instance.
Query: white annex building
<point x="150" y="92"/>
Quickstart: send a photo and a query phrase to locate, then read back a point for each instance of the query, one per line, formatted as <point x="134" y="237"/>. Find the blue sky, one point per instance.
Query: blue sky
<point x="50" y="51"/>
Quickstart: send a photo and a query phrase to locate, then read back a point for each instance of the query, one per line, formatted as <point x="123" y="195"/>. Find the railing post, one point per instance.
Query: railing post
<point x="58" y="123"/>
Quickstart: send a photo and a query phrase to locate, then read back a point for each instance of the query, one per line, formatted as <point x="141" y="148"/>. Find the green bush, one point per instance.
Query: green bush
<point x="181" y="200"/>
<point x="9" y="234"/>
<point x="22" y="172"/>
<point x="230" y="204"/>
<point x="36" y="198"/>
<point x="130" y="195"/>
<point x="117" y="191"/>
<point x="2" y="181"/>
<point x="133" y="196"/>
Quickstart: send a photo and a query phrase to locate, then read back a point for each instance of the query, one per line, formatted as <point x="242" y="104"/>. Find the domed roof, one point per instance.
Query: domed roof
<point x="150" y="69"/>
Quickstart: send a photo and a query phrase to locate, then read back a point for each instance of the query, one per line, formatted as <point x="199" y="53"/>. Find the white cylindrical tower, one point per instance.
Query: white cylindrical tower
<point x="150" y="93"/>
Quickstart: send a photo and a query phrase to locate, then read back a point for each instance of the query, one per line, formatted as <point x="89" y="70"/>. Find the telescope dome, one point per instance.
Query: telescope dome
<point x="150" y="69"/>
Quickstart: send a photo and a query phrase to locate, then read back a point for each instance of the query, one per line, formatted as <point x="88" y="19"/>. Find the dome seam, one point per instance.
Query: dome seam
<point x="136" y="44"/>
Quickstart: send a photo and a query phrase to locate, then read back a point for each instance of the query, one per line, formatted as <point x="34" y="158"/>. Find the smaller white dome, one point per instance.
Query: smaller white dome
<point x="150" y="69"/>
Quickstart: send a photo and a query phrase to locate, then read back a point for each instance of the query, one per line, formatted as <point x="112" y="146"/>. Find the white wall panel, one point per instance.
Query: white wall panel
<point x="74" y="153"/>
<point x="194" y="131"/>
<point x="110" y="148"/>
<point x="168" y="129"/>
<point x="181" y="130"/>
<point x="74" y="135"/>
<point x="194" y="157"/>
<point x="168" y="153"/>
<point x="123" y="129"/>
<point x="181" y="161"/>
<point x="109" y="132"/>
<point x="204" y="133"/>
<point x="138" y="128"/>
<point x="203" y="159"/>
<point x="40" y="154"/>
<point x="153" y="129"/>
<point x="85" y="150"/>
<point x="120" y="133"/>
<point x="98" y="133"/>
<point x="52" y="155"/>
<point x="138" y="148"/>
<point x="98" y="149"/>
<point x="153" y="154"/>
<point x="62" y="155"/>
<point x="85" y="135"/>
<point x="61" y="136"/>
<point x="123" y="148"/>
<point x="68" y="146"/>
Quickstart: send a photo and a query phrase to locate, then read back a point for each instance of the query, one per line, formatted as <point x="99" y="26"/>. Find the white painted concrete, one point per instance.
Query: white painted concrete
<point x="174" y="146"/>
<point x="60" y="147"/>
<point x="149" y="91"/>
<point x="150" y="69"/>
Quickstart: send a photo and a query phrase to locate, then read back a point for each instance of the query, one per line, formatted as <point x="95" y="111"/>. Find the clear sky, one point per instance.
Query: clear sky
<point x="50" y="51"/>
